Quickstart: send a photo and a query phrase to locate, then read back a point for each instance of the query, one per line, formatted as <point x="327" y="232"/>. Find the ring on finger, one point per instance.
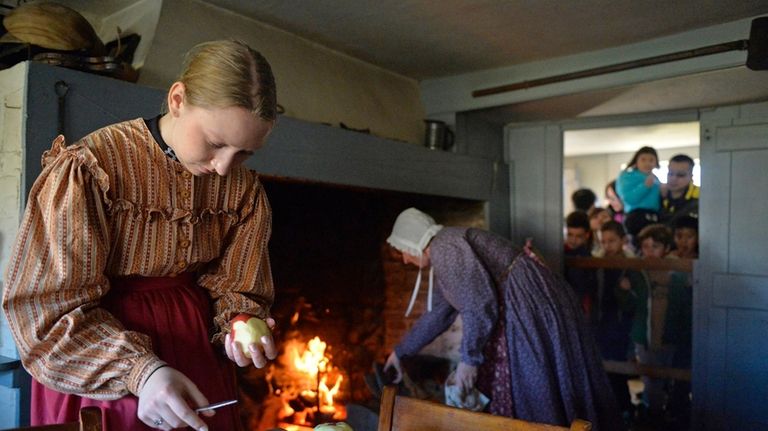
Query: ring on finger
<point x="158" y="422"/>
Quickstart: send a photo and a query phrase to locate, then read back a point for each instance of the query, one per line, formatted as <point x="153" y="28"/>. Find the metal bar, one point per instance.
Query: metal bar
<point x="739" y="45"/>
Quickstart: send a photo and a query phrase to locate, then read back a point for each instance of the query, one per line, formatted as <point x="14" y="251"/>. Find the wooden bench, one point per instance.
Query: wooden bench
<point x="400" y="413"/>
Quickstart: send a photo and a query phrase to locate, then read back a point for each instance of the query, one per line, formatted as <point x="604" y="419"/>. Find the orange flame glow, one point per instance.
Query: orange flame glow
<point x="313" y="359"/>
<point x="313" y="371"/>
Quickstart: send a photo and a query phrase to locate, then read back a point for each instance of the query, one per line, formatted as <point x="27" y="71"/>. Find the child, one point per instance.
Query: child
<point x="578" y="235"/>
<point x="597" y="217"/>
<point x="686" y="231"/>
<point x="139" y="244"/>
<point x="578" y="242"/>
<point x="640" y="190"/>
<point x="657" y="299"/>
<point x="679" y="325"/>
<point x="613" y="322"/>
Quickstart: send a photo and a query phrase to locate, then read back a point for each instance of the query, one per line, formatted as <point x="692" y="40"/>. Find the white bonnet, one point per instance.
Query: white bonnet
<point x="412" y="231"/>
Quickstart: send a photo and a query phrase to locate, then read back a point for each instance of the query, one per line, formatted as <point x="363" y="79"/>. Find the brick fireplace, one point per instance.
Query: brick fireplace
<point x="337" y="279"/>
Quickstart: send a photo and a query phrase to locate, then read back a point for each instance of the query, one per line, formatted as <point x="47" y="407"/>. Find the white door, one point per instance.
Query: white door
<point x="730" y="346"/>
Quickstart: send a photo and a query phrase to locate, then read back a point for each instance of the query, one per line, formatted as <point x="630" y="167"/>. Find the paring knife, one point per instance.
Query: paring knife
<point x="215" y="406"/>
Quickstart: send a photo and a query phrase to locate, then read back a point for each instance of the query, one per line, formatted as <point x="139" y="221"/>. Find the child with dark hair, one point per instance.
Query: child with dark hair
<point x="583" y="199"/>
<point x="640" y="190"/>
<point x="659" y="300"/>
<point x="611" y="320"/>
<point x="686" y="233"/>
<point x="679" y="332"/>
<point x="597" y="217"/>
<point x="578" y="243"/>
<point x="578" y="235"/>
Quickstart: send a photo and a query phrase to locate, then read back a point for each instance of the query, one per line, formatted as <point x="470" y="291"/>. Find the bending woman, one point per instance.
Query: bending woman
<point x="525" y="343"/>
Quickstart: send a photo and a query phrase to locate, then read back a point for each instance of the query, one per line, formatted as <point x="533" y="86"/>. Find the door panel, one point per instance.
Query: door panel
<point x="742" y="137"/>
<point x="745" y="351"/>
<point x="730" y="376"/>
<point x="749" y="212"/>
<point x="536" y="156"/>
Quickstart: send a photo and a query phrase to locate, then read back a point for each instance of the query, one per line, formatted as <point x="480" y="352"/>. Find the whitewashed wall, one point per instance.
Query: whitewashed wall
<point x="11" y="121"/>
<point x="12" y="94"/>
<point x="314" y="83"/>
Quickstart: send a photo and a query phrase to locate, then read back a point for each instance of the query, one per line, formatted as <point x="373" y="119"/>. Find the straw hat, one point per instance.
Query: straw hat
<point x="53" y="26"/>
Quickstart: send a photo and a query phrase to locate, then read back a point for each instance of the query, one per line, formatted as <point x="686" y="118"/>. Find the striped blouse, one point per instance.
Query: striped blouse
<point x="114" y="205"/>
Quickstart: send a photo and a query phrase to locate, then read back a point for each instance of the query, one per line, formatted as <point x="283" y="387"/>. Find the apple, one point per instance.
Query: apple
<point x="338" y="426"/>
<point x="247" y="329"/>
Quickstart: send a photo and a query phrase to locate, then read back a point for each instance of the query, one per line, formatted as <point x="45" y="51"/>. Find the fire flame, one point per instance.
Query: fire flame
<point x="315" y="370"/>
<point x="313" y="359"/>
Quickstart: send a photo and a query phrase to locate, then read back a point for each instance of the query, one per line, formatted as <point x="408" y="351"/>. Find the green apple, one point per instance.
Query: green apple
<point x="247" y="329"/>
<point x="338" y="426"/>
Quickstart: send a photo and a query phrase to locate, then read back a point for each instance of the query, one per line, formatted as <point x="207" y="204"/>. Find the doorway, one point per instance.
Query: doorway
<point x="644" y="374"/>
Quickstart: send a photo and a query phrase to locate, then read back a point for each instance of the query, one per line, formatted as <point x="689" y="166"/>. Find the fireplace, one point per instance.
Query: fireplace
<point x="338" y="283"/>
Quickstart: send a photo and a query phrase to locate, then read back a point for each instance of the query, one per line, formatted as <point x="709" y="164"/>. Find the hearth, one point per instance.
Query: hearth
<point x="340" y="295"/>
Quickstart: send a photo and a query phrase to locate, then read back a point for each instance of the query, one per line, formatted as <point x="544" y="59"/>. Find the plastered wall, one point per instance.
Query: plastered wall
<point x="314" y="83"/>
<point x="12" y="95"/>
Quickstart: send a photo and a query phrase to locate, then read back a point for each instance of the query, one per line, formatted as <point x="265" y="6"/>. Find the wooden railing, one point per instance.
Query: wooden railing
<point x="682" y="265"/>
<point x="631" y="367"/>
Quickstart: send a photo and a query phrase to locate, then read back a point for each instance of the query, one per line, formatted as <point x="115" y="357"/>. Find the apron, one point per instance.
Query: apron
<point x="541" y="363"/>
<point x="176" y="314"/>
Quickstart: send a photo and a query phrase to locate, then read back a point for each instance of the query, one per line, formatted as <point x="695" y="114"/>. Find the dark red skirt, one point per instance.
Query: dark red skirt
<point x="176" y="314"/>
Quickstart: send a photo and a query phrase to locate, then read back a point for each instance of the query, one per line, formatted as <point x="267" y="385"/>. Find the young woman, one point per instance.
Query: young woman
<point x="138" y="245"/>
<point x="525" y="342"/>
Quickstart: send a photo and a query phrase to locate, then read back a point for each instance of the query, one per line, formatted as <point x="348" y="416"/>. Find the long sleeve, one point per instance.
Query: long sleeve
<point x="469" y="288"/>
<point x="630" y="185"/>
<point x="55" y="280"/>
<point x="472" y="291"/>
<point x="241" y="280"/>
<point x="428" y="327"/>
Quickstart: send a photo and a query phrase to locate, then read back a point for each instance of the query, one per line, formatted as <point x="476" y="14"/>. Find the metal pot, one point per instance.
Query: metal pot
<point x="438" y="135"/>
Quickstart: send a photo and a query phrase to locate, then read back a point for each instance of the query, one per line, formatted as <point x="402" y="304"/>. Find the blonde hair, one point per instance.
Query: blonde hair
<point x="225" y="73"/>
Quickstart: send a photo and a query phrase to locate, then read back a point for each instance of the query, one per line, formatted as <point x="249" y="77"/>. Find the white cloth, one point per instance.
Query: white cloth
<point x="455" y="397"/>
<point x="411" y="234"/>
<point x="412" y="231"/>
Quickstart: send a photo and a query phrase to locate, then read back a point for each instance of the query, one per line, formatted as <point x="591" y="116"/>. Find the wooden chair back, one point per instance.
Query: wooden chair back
<point x="90" y="420"/>
<point x="400" y="413"/>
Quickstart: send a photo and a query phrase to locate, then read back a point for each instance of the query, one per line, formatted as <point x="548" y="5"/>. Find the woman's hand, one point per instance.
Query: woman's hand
<point x="394" y="362"/>
<point x="163" y="401"/>
<point x="466" y="377"/>
<point x="260" y="352"/>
